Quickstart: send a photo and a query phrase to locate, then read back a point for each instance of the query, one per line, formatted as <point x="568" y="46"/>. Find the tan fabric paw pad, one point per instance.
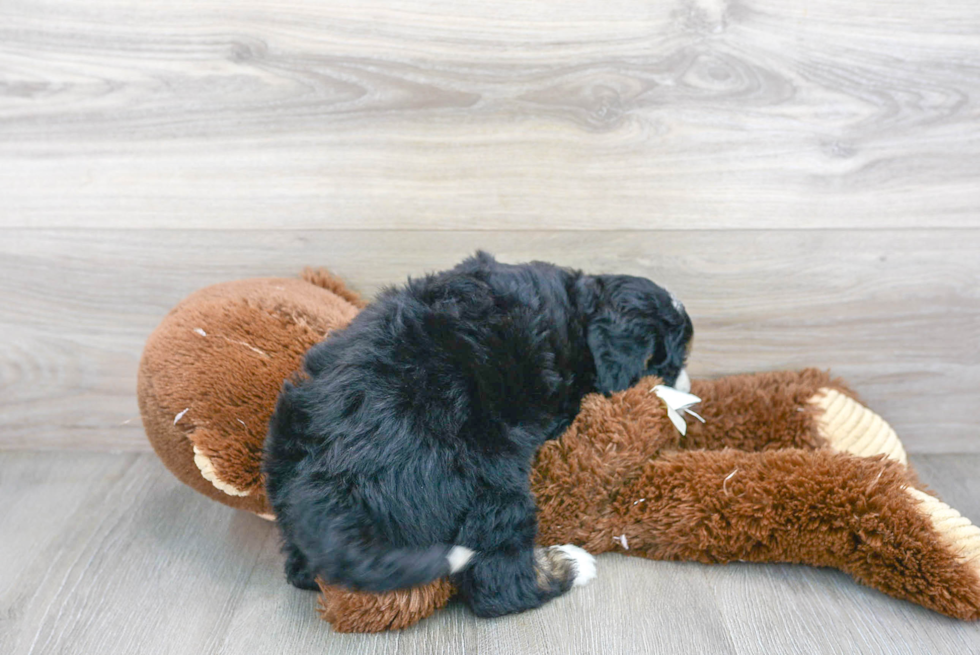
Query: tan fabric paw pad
<point x="962" y="536"/>
<point x="203" y="463"/>
<point x="848" y="426"/>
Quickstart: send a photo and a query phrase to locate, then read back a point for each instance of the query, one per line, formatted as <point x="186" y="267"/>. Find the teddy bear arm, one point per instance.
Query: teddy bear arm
<point x="787" y="409"/>
<point x="756" y="411"/>
<point x="864" y="516"/>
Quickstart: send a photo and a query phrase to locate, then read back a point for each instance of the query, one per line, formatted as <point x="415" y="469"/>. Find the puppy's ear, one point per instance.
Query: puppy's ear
<point x="619" y="355"/>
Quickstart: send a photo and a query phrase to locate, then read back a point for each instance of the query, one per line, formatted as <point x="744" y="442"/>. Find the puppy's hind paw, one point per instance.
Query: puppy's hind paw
<point x="583" y="563"/>
<point x="559" y="568"/>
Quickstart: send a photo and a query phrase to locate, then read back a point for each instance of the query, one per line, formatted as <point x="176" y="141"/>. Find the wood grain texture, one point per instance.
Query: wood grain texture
<point x="108" y="553"/>
<point x="687" y="114"/>
<point x="896" y="312"/>
<point x="802" y="174"/>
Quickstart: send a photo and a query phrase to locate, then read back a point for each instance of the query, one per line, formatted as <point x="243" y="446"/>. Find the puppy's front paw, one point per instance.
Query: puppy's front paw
<point x="563" y="566"/>
<point x="584" y="564"/>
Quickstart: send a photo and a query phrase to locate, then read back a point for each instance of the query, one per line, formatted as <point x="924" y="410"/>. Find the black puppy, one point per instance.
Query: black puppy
<point x="405" y="454"/>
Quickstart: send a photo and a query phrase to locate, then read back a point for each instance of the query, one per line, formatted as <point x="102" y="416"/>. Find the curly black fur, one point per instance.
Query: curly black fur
<point x="416" y="426"/>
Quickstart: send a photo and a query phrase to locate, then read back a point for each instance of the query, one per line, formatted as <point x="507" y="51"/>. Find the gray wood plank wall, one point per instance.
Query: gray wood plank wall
<point x="806" y="176"/>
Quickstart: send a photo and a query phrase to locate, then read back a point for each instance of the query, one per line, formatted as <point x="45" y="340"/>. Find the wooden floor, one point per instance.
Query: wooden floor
<point x="108" y="553"/>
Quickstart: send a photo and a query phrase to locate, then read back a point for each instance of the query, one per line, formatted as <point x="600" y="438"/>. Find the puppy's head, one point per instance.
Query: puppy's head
<point x="636" y="329"/>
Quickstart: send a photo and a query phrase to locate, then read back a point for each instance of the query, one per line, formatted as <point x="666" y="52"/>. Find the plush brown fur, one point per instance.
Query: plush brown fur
<point x="758" y="481"/>
<point x="218" y="360"/>
<point x="606" y="483"/>
<point x="359" y="611"/>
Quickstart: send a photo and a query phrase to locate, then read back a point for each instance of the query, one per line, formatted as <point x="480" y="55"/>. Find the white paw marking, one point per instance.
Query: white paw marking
<point x="584" y="564"/>
<point x="458" y="558"/>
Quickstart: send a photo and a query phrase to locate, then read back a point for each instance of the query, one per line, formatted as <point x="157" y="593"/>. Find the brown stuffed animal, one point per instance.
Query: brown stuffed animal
<point x="787" y="467"/>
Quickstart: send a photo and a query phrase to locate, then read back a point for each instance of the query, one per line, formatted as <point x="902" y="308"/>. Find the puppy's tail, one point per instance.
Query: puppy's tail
<point x="373" y="568"/>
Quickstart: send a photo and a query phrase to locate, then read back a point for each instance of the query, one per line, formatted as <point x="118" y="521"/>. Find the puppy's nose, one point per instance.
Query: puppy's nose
<point x="683" y="381"/>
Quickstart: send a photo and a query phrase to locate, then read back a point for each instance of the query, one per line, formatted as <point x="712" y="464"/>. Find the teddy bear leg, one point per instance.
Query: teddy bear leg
<point x="361" y="611"/>
<point x="862" y="515"/>
<point x="787" y="409"/>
